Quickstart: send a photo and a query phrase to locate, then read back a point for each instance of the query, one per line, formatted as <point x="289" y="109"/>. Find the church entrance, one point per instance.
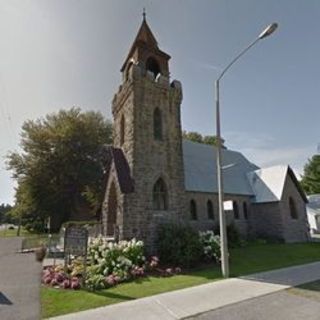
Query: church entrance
<point x="112" y="211"/>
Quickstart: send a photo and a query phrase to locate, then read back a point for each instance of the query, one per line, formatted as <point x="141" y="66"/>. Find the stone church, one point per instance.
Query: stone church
<point x="154" y="176"/>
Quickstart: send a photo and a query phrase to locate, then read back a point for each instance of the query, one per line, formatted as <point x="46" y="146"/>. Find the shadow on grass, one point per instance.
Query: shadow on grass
<point x="111" y="295"/>
<point x="313" y="286"/>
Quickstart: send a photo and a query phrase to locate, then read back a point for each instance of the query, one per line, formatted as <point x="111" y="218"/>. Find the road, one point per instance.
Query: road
<point x="277" y="306"/>
<point x="19" y="282"/>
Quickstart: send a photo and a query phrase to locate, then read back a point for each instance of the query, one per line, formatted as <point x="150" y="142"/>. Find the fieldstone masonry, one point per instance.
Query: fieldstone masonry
<point x="145" y="88"/>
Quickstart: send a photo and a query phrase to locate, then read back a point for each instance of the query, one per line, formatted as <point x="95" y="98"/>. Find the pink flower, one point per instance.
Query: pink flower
<point x="75" y="284"/>
<point x="110" y="280"/>
<point x="66" y="284"/>
<point x="54" y="282"/>
<point x="60" y="277"/>
<point x="47" y="279"/>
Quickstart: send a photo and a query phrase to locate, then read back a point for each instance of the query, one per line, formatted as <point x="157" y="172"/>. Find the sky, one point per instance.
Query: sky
<point x="57" y="54"/>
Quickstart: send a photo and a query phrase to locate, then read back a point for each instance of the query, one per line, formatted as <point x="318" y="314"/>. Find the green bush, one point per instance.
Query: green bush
<point x="179" y="245"/>
<point x="233" y="236"/>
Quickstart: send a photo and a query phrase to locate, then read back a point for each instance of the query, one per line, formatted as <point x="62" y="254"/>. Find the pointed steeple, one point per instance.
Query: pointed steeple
<point x="144" y="44"/>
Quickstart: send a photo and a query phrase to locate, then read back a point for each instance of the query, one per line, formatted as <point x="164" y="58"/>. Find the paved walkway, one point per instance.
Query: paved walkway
<point x="19" y="282"/>
<point x="191" y="301"/>
<point x="282" y="305"/>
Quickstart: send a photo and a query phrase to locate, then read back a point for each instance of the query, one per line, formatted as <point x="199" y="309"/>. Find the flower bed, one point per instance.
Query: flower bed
<point x="108" y="264"/>
<point x="111" y="263"/>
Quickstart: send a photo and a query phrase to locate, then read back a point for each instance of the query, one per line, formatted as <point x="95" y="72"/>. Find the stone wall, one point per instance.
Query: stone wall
<point x="204" y="223"/>
<point x="267" y="221"/>
<point x="148" y="158"/>
<point x="295" y="230"/>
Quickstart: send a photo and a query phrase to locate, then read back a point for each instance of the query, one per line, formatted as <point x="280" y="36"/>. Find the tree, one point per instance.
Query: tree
<point x="197" y="137"/>
<point x="311" y="177"/>
<point x="5" y="216"/>
<point x="61" y="163"/>
<point x="192" y="136"/>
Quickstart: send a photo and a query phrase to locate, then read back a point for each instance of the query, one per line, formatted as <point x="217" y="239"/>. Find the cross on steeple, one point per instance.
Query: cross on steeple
<point x="144" y="14"/>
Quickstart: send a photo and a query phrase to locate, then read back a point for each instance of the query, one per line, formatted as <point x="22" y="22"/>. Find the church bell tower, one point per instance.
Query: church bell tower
<point x="147" y="128"/>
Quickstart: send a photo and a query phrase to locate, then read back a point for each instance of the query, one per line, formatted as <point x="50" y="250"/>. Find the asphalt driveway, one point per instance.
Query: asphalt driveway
<point x="19" y="282"/>
<point x="277" y="306"/>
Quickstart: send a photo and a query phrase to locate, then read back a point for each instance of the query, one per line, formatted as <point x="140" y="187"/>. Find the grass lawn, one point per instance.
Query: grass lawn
<point x="13" y="233"/>
<point x="250" y="259"/>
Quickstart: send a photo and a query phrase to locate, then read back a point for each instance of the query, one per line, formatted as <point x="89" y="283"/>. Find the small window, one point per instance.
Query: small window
<point x="157" y="124"/>
<point x="293" y="209"/>
<point x="210" y="210"/>
<point x="160" y="195"/>
<point x="193" y="210"/>
<point x="236" y="210"/>
<point x="245" y="211"/>
<point x="122" y="130"/>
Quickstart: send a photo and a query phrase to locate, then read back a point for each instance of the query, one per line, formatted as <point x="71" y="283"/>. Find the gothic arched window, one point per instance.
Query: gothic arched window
<point x="193" y="210"/>
<point x="122" y="130"/>
<point x="157" y="124"/>
<point x="160" y="195"/>
<point x="210" y="210"/>
<point x="236" y="210"/>
<point x="245" y="211"/>
<point x="293" y="209"/>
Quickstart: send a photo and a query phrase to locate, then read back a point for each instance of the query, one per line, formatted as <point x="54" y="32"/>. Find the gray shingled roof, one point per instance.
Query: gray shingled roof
<point x="201" y="172"/>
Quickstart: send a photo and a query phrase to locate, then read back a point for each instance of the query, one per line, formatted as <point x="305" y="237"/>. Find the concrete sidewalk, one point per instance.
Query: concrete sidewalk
<point x="191" y="301"/>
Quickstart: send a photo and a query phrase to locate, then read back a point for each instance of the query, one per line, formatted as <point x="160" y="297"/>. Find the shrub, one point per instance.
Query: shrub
<point x="210" y="245"/>
<point x="233" y="236"/>
<point x="179" y="245"/>
<point x="112" y="263"/>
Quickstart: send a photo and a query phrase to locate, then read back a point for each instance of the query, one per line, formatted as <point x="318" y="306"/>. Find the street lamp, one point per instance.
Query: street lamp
<point x="223" y="231"/>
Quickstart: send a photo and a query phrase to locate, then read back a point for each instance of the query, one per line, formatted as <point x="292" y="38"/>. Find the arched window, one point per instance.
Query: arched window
<point x="193" y="210"/>
<point x="153" y="66"/>
<point x="293" y="209"/>
<point x="245" y="211"/>
<point x="210" y="210"/>
<point x="122" y="130"/>
<point x="236" y="210"/>
<point x="160" y="195"/>
<point x="157" y="124"/>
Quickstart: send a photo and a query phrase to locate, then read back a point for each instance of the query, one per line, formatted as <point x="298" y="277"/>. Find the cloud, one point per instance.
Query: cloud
<point x="205" y="65"/>
<point x="265" y="150"/>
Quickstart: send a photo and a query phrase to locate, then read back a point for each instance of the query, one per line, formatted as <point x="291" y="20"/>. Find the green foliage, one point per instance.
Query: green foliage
<point x="61" y="162"/>
<point x="192" y="136"/>
<point x="179" y="245"/>
<point x="311" y="177"/>
<point x="198" y="137"/>
<point x="233" y="236"/>
<point x="5" y="214"/>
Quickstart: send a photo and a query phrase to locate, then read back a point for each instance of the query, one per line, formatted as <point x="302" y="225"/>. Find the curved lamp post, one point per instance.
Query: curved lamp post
<point x="223" y="231"/>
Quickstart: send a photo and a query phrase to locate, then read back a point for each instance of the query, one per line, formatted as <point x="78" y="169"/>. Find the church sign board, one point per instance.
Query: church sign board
<point x="76" y="240"/>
